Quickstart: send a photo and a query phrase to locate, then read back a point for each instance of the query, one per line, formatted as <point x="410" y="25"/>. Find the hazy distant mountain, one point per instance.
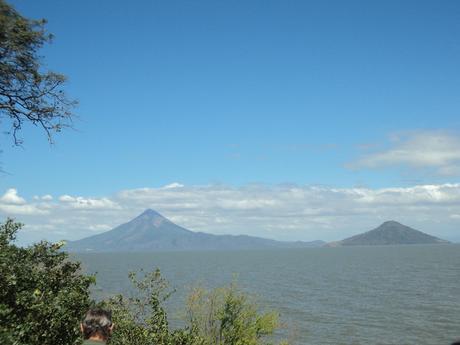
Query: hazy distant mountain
<point x="390" y="232"/>
<point x="150" y="231"/>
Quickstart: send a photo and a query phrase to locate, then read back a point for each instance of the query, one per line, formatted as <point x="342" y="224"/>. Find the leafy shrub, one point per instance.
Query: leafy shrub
<point x="140" y="319"/>
<point x="227" y="316"/>
<point x="42" y="294"/>
<point x="224" y="316"/>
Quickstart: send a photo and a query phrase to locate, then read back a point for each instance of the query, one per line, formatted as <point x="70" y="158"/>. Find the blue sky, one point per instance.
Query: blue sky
<point x="353" y="94"/>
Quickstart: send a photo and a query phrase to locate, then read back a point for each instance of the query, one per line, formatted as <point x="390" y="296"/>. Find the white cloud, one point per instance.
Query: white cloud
<point x="13" y="210"/>
<point x="247" y="204"/>
<point x="11" y="197"/>
<point x="429" y="194"/>
<point x="284" y="212"/>
<point x="88" y="203"/>
<point x="295" y="212"/>
<point x="99" y="227"/>
<point x="438" y="151"/>
<point x="173" y="185"/>
<point x="47" y="197"/>
<point x="66" y="198"/>
<point x="11" y="205"/>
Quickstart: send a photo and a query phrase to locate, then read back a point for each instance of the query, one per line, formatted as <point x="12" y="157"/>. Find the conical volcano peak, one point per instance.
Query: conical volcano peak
<point x="150" y="213"/>
<point x="150" y="231"/>
<point x="391" y="223"/>
<point x="150" y="216"/>
<point x="390" y="233"/>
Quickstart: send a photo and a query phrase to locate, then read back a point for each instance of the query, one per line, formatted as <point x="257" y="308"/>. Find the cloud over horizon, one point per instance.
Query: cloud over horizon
<point x="283" y="212"/>
<point x="437" y="151"/>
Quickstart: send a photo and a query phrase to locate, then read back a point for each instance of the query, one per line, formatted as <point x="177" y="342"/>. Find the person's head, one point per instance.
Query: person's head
<point x="97" y="324"/>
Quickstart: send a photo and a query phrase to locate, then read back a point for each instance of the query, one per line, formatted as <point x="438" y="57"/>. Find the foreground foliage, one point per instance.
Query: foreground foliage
<point x="224" y="316"/>
<point x="142" y="319"/>
<point x="228" y="316"/>
<point x="43" y="296"/>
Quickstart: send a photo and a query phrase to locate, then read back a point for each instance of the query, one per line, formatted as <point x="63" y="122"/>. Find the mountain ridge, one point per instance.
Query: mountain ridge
<point x="150" y="231"/>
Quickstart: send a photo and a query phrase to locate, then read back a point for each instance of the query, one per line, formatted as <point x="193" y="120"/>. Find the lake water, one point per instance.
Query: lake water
<point x="350" y="295"/>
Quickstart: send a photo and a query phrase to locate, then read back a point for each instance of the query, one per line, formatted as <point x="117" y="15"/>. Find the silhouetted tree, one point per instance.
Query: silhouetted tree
<point x="28" y="92"/>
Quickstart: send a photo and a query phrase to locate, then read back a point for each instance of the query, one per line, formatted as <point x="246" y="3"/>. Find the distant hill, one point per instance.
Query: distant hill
<point x="389" y="233"/>
<point x="150" y="231"/>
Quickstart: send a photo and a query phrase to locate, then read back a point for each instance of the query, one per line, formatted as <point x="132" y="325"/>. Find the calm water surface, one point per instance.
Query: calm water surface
<point x="354" y="295"/>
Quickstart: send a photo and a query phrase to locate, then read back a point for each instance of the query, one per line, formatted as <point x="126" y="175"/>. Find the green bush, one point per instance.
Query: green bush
<point x="42" y="293"/>
<point x="227" y="316"/>
<point x="140" y="319"/>
<point x="224" y="316"/>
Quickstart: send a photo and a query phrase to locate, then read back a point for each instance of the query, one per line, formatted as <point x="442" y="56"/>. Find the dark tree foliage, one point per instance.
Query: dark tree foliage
<point x="43" y="294"/>
<point x="28" y="93"/>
